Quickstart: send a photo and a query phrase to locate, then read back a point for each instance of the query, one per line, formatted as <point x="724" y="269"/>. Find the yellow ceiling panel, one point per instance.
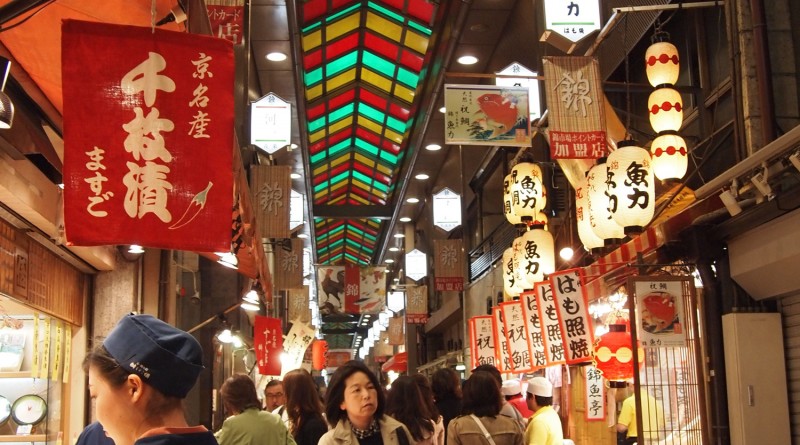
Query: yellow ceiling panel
<point x="385" y="27"/>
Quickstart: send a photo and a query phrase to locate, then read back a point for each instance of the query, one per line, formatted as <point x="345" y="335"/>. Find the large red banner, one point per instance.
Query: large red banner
<point x="268" y="343"/>
<point x="148" y="135"/>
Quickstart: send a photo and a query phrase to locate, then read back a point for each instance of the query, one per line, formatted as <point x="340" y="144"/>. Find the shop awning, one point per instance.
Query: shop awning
<point x="398" y="363"/>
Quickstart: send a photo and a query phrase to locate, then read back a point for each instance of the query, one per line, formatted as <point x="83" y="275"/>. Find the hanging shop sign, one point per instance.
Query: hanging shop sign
<point x="660" y="312"/>
<point x="449" y="265"/>
<point x="416" y="265"/>
<point x="481" y="338"/>
<point x="270" y="123"/>
<point x="551" y="329"/>
<point x="227" y="19"/>
<point x="351" y="289"/>
<point x="296" y="205"/>
<point x="371" y="291"/>
<point x="573" y="309"/>
<point x="528" y="80"/>
<point x="486" y="115"/>
<point x="289" y="266"/>
<point x="338" y="357"/>
<point x="500" y="341"/>
<point x="446" y="209"/>
<point x="535" y="335"/>
<point x="158" y="171"/>
<point x="575" y="100"/>
<point x="396" y="331"/>
<point x="268" y="343"/>
<point x="270" y="187"/>
<point x="595" y="393"/>
<point x="574" y="20"/>
<point x="516" y="330"/>
<point x="297" y="341"/>
<point x="298" y="305"/>
<point x="417" y="305"/>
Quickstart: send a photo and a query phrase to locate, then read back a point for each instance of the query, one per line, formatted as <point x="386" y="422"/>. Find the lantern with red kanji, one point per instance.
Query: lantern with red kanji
<point x="319" y="352"/>
<point x="614" y="355"/>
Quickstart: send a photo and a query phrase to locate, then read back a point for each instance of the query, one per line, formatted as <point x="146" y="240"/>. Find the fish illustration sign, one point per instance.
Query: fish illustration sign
<point x="487" y="115"/>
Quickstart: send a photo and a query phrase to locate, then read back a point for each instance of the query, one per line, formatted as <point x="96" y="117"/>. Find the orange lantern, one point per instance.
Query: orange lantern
<point x="319" y="352"/>
<point x="614" y="355"/>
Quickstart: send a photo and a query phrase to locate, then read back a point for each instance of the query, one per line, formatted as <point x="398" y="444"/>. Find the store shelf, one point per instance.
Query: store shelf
<point x="16" y="375"/>
<point x="23" y="438"/>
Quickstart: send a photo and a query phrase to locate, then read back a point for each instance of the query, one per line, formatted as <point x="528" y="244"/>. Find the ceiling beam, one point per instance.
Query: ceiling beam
<point x="352" y="211"/>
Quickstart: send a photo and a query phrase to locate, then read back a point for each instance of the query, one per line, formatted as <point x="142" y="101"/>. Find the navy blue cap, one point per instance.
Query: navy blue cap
<point x="164" y="356"/>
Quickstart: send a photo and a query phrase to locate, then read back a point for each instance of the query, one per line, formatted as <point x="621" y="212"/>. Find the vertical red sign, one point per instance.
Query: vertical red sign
<point x="268" y="343"/>
<point x="352" y="288"/>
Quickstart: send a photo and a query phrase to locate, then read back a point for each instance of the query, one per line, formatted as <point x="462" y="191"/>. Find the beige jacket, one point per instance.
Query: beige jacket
<point x="343" y="435"/>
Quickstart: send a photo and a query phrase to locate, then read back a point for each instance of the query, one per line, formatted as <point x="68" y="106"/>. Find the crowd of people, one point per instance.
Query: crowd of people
<point x="144" y="369"/>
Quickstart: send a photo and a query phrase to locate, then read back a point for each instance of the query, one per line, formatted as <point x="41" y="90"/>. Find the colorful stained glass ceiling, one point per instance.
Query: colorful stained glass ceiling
<point x="362" y="65"/>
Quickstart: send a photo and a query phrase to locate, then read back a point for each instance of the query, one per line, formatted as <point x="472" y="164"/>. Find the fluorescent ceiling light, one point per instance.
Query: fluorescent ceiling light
<point x="467" y="60"/>
<point x="405" y="219"/>
<point x="277" y="57"/>
<point x="412" y="200"/>
<point x="422" y="176"/>
<point x="394" y="249"/>
<point x="295" y="175"/>
<point x="433" y="147"/>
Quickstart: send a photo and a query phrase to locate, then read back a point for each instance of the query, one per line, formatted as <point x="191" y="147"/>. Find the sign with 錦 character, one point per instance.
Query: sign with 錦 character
<point x="397" y="332"/>
<point x="535" y="336"/>
<point x="595" y="393"/>
<point x="448" y="264"/>
<point x="487" y="115"/>
<point x="417" y="304"/>
<point x="577" y="125"/>
<point x="516" y="330"/>
<point x="289" y="266"/>
<point x="551" y="329"/>
<point x="481" y="338"/>
<point x="271" y="188"/>
<point x="268" y="343"/>
<point x="573" y="309"/>
<point x="156" y="168"/>
<point x="227" y="19"/>
<point x="298" y="305"/>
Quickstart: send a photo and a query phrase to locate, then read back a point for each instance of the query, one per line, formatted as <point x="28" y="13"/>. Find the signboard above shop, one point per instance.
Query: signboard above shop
<point x="527" y="78"/>
<point x="270" y="123"/>
<point x="574" y="19"/>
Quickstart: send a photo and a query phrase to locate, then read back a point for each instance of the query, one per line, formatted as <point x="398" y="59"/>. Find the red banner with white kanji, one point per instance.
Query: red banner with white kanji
<point x="570" y="300"/>
<point x="148" y="137"/>
<point x="268" y="343"/>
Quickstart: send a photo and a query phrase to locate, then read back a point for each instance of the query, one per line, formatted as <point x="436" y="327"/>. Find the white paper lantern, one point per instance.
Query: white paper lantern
<point x="666" y="110"/>
<point x="510" y="285"/>
<point x="508" y="197"/>
<point x="662" y="64"/>
<point x="590" y="240"/>
<point x="528" y="194"/>
<point x="520" y="277"/>
<point x="670" y="157"/>
<point x="538" y="256"/>
<point x="631" y="180"/>
<point x="540" y="221"/>
<point x="603" y="225"/>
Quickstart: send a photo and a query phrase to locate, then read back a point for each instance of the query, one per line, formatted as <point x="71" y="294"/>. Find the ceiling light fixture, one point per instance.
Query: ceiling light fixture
<point x="302" y="235"/>
<point x="295" y="175"/>
<point x="443" y="110"/>
<point x="399" y="235"/>
<point x="433" y="147"/>
<point x="422" y="176"/>
<point x="389" y="261"/>
<point x="276" y="57"/>
<point x="412" y="200"/>
<point x="405" y="219"/>
<point x="394" y="249"/>
<point x="468" y="60"/>
<point x="135" y="248"/>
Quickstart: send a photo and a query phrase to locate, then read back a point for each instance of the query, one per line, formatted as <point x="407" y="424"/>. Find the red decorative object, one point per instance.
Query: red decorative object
<point x="614" y="355"/>
<point x="319" y="352"/>
<point x="398" y="363"/>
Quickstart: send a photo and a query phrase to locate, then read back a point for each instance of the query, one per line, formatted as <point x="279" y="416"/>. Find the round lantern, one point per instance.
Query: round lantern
<point x="603" y="225"/>
<point x="508" y="209"/>
<point x="631" y="173"/>
<point x="669" y="156"/>
<point x="591" y="242"/>
<point x="520" y="277"/>
<point x="319" y="352"/>
<point x="613" y="353"/>
<point x="528" y="195"/>
<point x="538" y="256"/>
<point x="510" y="284"/>
<point x="662" y="64"/>
<point x="666" y="110"/>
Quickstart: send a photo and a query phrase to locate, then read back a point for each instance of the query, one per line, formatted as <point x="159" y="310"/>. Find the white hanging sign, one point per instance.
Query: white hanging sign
<point x="595" y="394"/>
<point x="270" y="123"/>
<point x="416" y="265"/>
<point x="295" y="210"/>
<point x="447" y="209"/>
<point x="529" y="81"/>
<point x="574" y="19"/>
<point x="573" y="310"/>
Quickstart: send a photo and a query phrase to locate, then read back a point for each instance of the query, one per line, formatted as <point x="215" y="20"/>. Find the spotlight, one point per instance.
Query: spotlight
<point x="730" y="202"/>
<point x="177" y="15"/>
<point x="760" y="181"/>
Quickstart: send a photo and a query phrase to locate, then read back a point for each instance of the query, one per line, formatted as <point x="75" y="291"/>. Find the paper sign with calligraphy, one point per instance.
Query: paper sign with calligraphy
<point x="148" y="137"/>
<point x="289" y="266"/>
<point x="397" y="334"/>
<point x="417" y="304"/>
<point x="297" y="305"/>
<point x="595" y="393"/>
<point x="270" y="123"/>
<point x="486" y="115"/>
<point x="574" y="19"/>
<point x="270" y="188"/>
<point x="577" y="125"/>
<point x="227" y="19"/>
<point x="297" y="341"/>
<point x="573" y="310"/>
<point x="551" y="329"/>
<point x="517" y="336"/>
<point x="659" y="312"/>
<point x="448" y="264"/>
<point x="535" y="332"/>
<point x="481" y="341"/>
<point x="268" y="343"/>
<point x="500" y="340"/>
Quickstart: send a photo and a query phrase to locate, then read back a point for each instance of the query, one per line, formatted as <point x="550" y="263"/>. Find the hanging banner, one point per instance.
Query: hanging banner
<point x="535" y="336"/>
<point x="67" y="352"/>
<point x="397" y="331"/>
<point x="659" y="312"/>
<point x="487" y="115"/>
<point x="268" y="343"/>
<point x="417" y="304"/>
<point x="517" y="336"/>
<point x="338" y="357"/>
<point x="500" y="340"/>
<point x="595" y="393"/>
<point x="297" y="341"/>
<point x="330" y="289"/>
<point x="448" y="264"/>
<point x="227" y="19"/>
<point x="55" y="370"/>
<point x="36" y="359"/>
<point x="298" y="305"/>
<point x="481" y="341"/>
<point x="45" y="366"/>
<point x="289" y="266"/>
<point x="573" y="310"/>
<point x="551" y="330"/>
<point x="382" y="346"/>
<point x="577" y="126"/>
<point x="371" y="290"/>
<point x="270" y="187"/>
<point x="148" y="137"/>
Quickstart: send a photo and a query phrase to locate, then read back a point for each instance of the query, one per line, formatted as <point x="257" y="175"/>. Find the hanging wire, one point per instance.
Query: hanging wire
<point x="627" y="80"/>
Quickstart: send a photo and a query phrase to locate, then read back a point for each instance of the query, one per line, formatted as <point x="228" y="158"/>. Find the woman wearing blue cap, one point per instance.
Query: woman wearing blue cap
<point x="139" y="377"/>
